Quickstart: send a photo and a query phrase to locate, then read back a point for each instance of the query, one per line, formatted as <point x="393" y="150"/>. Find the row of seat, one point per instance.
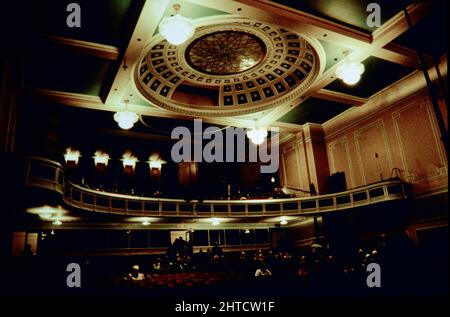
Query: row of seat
<point x="171" y="280"/>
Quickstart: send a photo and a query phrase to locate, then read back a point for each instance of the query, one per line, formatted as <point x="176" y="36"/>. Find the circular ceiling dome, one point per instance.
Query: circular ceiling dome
<point x="231" y="68"/>
<point x="224" y="53"/>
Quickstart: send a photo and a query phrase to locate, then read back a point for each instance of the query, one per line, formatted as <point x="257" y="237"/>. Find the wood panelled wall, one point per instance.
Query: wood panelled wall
<point x="401" y="139"/>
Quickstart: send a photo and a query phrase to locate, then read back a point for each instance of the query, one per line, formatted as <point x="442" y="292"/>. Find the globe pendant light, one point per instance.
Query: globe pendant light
<point x="126" y="119"/>
<point x="176" y="29"/>
<point x="350" y="72"/>
<point x="257" y="136"/>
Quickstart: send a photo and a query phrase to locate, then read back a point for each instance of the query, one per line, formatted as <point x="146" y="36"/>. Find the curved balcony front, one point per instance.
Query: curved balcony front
<point x="47" y="174"/>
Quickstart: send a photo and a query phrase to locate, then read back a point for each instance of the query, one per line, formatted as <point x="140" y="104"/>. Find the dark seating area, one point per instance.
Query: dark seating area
<point x="311" y="271"/>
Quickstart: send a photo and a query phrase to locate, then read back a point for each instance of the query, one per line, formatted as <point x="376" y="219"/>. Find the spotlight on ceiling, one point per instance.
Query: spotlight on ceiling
<point x="215" y="221"/>
<point x="350" y="72"/>
<point x="146" y="222"/>
<point x="71" y="156"/>
<point x="126" y="119"/>
<point x="49" y="213"/>
<point x="176" y="29"/>
<point x="257" y="136"/>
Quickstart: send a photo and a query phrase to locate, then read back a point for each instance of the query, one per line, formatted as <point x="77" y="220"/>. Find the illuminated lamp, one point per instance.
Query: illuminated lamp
<point x="71" y="157"/>
<point x="257" y="136"/>
<point x="215" y="221"/>
<point x="176" y="29"/>
<point x="350" y="72"/>
<point x="126" y="119"/>
<point x="101" y="158"/>
<point x="129" y="160"/>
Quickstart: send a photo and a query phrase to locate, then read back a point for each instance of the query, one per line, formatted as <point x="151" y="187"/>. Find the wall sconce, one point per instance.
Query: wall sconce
<point x="71" y="157"/>
<point x="101" y="158"/>
<point x="155" y="164"/>
<point x="129" y="160"/>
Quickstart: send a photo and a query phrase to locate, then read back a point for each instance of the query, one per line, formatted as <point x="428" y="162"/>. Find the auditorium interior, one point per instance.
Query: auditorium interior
<point x="348" y="97"/>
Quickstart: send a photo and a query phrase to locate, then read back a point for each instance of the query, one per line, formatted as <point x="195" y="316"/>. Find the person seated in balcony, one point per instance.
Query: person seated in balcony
<point x="263" y="271"/>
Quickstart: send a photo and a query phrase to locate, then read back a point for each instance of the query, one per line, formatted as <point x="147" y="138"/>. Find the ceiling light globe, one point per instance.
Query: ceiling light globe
<point x="257" y="136"/>
<point x="350" y="73"/>
<point x="125" y="125"/>
<point x="126" y="119"/>
<point x="176" y="29"/>
<point x="258" y="140"/>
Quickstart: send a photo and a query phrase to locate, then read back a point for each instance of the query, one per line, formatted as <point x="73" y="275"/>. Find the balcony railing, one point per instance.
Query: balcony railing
<point x="47" y="174"/>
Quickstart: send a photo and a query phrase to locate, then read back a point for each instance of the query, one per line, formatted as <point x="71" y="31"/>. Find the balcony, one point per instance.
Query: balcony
<point x="47" y="174"/>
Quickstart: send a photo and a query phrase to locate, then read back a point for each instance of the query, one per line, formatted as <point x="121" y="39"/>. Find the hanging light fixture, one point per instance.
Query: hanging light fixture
<point x="350" y="72"/>
<point x="126" y="119"/>
<point x="257" y="136"/>
<point x="176" y="29"/>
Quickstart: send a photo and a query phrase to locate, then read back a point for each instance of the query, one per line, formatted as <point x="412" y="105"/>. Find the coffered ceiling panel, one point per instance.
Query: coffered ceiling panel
<point x="314" y="110"/>
<point x="430" y="35"/>
<point x="102" y="21"/>
<point x="352" y="13"/>
<point x="237" y="72"/>
<point x="54" y="67"/>
<point x="378" y="75"/>
<point x="234" y="67"/>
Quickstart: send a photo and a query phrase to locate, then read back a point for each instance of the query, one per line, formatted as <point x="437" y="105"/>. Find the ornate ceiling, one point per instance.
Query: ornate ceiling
<point x="234" y="67"/>
<point x="225" y="53"/>
<point x="107" y="51"/>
